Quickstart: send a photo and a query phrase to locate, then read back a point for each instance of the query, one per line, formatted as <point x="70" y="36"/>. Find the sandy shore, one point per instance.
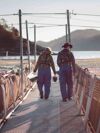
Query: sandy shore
<point x="11" y="62"/>
<point x="6" y="65"/>
<point x="95" y="62"/>
<point x="92" y="64"/>
<point x="89" y="62"/>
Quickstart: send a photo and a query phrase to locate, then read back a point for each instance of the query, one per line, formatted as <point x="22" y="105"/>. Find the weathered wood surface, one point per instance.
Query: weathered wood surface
<point x="37" y="115"/>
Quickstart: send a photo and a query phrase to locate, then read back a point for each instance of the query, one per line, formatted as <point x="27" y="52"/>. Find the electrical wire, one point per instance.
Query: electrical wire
<point x="85" y="14"/>
<point x="43" y="13"/>
<point x="85" y="20"/>
<point x="8" y="14"/>
<point x="85" y="26"/>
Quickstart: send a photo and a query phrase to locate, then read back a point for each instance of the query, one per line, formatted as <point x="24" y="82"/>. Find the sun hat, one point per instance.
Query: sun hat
<point x="67" y="45"/>
<point x="48" y="49"/>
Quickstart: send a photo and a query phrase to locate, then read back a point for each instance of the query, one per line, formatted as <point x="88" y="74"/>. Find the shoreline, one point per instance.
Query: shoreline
<point x="93" y="64"/>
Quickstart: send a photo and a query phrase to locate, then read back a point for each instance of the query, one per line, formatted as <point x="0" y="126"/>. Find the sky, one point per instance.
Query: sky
<point x="48" y="26"/>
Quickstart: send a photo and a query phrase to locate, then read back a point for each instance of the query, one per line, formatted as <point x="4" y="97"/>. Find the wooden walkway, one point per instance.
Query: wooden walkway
<point x="37" y="115"/>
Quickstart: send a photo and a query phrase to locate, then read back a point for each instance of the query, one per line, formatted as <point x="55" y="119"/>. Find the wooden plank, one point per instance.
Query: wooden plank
<point x="37" y="115"/>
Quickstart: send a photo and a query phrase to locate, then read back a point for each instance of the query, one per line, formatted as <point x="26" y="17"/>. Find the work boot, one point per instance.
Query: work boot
<point x="64" y="100"/>
<point x="46" y="97"/>
<point x="70" y="98"/>
<point x="41" y="96"/>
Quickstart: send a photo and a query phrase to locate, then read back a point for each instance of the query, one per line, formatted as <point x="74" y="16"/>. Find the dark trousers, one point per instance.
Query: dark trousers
<point x="66" y="83"/>
<point x="44" y="80"/>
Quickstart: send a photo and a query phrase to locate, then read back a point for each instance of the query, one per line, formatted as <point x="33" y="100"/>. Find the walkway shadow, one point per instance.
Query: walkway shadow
<point x="32" y="117"/>
<point x="44" y="116"/>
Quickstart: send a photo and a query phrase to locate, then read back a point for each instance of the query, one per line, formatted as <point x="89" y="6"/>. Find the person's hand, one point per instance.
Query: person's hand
<point x="54" y="74"/>
<point x="54" y="78"/>
<point x="34" y="70"/>
<point x="74" y="75"/>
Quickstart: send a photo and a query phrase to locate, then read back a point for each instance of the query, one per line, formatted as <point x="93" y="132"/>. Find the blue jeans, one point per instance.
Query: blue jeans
<point x="65" y="79"/>
<point x="44" y="80"/>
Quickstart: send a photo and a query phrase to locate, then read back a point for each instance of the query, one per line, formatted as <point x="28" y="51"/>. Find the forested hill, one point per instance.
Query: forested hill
<point x="10" y="42"/>
<point x="82" y="40"/>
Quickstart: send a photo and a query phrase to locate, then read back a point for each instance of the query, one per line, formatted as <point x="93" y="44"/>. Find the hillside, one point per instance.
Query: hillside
<point x="10" y="42"/>
<point x="82" y="40"/>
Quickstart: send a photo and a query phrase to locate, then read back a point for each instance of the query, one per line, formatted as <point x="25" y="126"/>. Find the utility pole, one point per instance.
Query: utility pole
<point x="21" y="50"/>
<point x="66" y="31"/>
<point x="35" y="43"/>
<point x="28" y="46"/>
<point x="68" y="24"/>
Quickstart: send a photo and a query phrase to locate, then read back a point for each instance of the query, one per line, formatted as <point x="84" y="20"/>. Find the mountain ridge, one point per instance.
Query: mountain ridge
<point x="82" y="40"/>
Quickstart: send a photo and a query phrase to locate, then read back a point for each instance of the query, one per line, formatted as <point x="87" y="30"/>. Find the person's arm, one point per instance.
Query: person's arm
<point x="37" y="64"/>
<point x="73" y="64"/>
<point x="58" y="60"/>
<point x="52" y="65"/>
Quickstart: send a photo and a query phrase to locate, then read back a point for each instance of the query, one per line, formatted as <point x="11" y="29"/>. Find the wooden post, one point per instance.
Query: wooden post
<point x="98" y="128"/>
<point x="81" y="99"/>
<point x="4" y="99"/>
<point x="35" y="43"/>
<point x="6" y="53"/>
<point x="68" y="24"/>
<point x="78" y="85"/>
<point x="82" y="93"/>
<point x="66" y="31"/>
<point x="28" y="46"/>
<point x="89" y="100"/>
<point x="21" y="49"/>
<point x="12" y="90"/>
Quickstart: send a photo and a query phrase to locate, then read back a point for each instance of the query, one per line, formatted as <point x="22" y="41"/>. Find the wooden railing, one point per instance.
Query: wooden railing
<point x="87" y="96"/>
<point x="11" y="92"/>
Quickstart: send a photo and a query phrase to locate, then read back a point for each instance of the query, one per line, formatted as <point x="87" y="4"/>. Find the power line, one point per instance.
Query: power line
<point x="33" y="14"/>
<point x="60" y="13"/>
<point x="48" y="26"/>
<point x="43" y="13"/>
<point x="86" y="20"/>
<point x="59" y="17"/>
<point x="85" y="26"/>
<point x="39" y="24"/>
<point x="85" y="14"/>
<point x="8" y="14"/>
<point x="43" y="25"/>
<point x="64" y="25"/>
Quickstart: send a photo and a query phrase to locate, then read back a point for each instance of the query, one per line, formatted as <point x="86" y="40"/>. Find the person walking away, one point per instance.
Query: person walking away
<point x="44" y="64"/>
<point x="66" y="63"/>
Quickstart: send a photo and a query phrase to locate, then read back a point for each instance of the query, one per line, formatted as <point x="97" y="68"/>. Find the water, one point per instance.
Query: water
<point x="86" y="54"/>
<point x="77" y="54"/>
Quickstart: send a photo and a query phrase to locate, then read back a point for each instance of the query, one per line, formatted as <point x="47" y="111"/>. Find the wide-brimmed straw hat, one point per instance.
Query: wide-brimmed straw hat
<point x="67" y="45"/>
<point x="48" y="49"/>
